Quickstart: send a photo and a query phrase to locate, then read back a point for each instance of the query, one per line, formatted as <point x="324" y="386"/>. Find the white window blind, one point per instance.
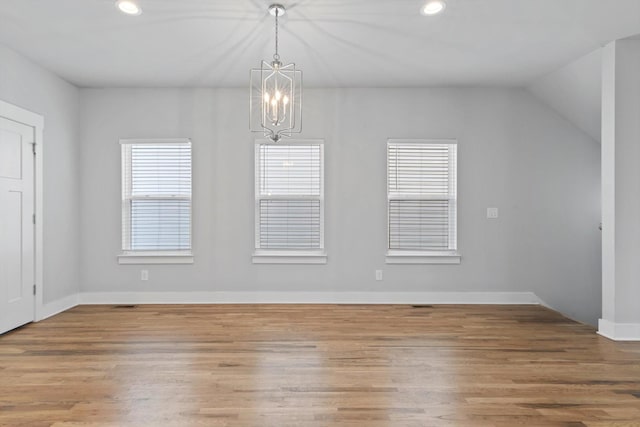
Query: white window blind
<point x="289" y="196"/>
<point x="156" y="196"/>
<point x="422" y="195"/>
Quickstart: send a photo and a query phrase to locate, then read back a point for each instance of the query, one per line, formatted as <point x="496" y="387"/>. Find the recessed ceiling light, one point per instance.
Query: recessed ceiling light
<point x="433" y="7"/>
<point x="129" y="7"/>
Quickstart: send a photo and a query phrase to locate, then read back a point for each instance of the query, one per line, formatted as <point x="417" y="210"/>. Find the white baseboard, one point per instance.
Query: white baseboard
<point x="308" y="298"/>
<point x="58" y="306"/>
<point x="606" y="328"/>
<point x="500" y="298"/>
<point x="619" y="331"/>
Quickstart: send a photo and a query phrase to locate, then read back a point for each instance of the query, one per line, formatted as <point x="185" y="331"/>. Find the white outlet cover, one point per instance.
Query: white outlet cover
<point x="492" y="213"/>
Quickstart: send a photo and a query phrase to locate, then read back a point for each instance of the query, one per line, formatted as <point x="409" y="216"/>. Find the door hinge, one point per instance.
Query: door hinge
<point x="33" y="147"/>
<point x="34" y="219"/>
<point x="34" y="289"/>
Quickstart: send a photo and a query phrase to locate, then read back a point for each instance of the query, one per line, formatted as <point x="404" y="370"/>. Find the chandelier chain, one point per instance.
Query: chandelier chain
<point x="276" y="57"/>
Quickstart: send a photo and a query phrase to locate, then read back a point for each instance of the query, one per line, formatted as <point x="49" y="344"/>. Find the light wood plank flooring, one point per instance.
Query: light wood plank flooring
<point x="316" y="365"/>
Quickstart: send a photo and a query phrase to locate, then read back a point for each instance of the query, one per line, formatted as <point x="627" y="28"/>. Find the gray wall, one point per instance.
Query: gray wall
<point x="29" y="86"/>
<point x="514" y="154"/>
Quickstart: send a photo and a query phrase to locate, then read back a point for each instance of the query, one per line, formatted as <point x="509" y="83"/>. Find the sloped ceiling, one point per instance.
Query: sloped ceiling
<point x="574" y="91"/>
<point x="381" y="43"/>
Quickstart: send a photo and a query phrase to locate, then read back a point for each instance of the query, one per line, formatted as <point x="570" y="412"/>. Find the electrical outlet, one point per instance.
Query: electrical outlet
<point x="492" y="213"/>
<point x="144" y="274"/>
<point x="378" y="275"/>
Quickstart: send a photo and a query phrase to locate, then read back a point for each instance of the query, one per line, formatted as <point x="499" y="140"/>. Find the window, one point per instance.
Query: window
<point x="156" y="201"/>
<point x="289" y="202"/>
<point x="422" y="201"/>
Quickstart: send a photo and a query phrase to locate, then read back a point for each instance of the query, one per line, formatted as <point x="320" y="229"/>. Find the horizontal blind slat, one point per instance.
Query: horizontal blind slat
<point x="287" y="170"/>
<point x="288" y="224"/>
<point x="289" y="189"/>
<point x="157" y="180"/>
<point x="422" y="196"/>
<point x="419" y="225"/>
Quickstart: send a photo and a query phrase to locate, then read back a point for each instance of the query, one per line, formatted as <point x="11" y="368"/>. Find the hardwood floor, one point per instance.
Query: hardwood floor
<point x="316" y="365"/>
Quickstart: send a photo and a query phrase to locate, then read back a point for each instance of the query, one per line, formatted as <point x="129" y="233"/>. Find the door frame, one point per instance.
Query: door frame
<point x="29" y="118"/>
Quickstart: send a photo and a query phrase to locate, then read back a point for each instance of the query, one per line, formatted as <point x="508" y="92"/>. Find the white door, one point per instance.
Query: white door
<point x="17" y="302"/>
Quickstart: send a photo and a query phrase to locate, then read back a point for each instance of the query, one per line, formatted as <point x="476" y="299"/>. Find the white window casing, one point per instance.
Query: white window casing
<point x="156" y="201"/>
<point x="289" y="202"/>
<point x="422" y="202"/>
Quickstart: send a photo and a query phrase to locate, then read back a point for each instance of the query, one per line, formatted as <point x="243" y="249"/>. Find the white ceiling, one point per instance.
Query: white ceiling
<point x="335" y="42"/>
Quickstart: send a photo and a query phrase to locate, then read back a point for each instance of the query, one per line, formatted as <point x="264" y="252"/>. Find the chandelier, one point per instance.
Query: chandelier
<point x="276" y="94"/>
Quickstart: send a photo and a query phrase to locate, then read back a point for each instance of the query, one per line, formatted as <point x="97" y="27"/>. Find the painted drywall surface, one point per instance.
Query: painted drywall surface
<point x="561" y="183"/>
<point x="574" y="91"/>
<point x="621" y="182"/>
<point x="627" y="181"/>
<point x="29" y="86"/>
<point x="514" y="154"/>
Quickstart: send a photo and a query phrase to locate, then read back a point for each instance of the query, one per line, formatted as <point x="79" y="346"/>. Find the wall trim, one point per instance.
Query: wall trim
<point x="58" y="306"/>
<point x="502" y="298"/>
<point x="619" y="331"/>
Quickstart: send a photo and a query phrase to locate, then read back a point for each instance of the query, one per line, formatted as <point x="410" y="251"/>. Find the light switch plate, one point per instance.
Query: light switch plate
<point x="492" y="213"/>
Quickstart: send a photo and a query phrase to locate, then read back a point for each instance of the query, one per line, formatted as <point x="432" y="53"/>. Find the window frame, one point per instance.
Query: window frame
<point x="408" y="256"/>
<point x="288" y="256"/>
<point x="128" y="256"/>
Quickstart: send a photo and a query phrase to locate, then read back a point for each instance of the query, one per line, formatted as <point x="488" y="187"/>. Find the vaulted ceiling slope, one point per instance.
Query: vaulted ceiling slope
<point x="574" y="91"/>
<point x="382" y="43"/>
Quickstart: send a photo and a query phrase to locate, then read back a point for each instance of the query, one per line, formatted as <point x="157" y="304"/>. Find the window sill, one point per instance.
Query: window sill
<point x="408" y="257"/>
<point x="155" y="258"/>
<point x="289" y="257"/>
